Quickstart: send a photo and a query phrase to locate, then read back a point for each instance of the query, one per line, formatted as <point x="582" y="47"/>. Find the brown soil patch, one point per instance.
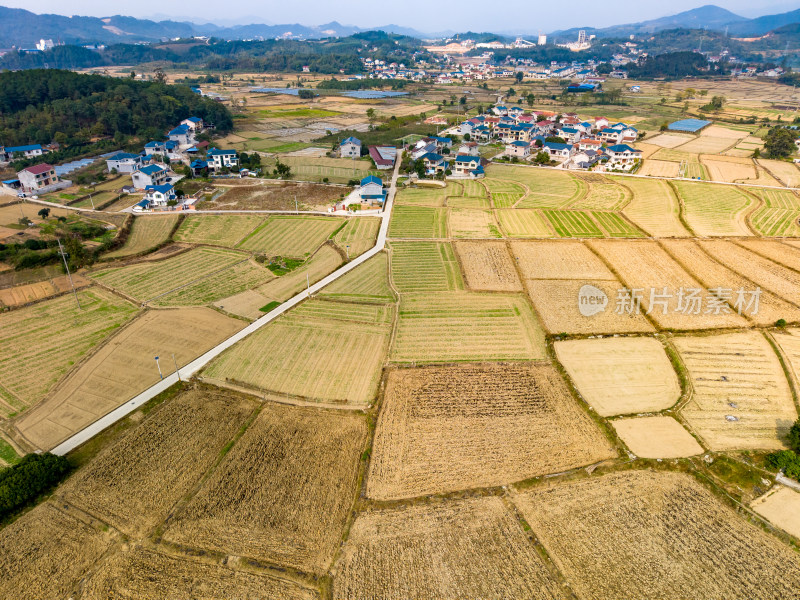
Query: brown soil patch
<point x="487" y="266"/>
<point x="781" y="507"/>
<point x="276" y="196"/>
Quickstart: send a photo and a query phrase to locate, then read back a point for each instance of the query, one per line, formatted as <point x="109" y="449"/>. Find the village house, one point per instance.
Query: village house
<point x="182" y="135"/>
<point x="195" y="124"/>
<point x="124" y="162"/>
<point x="37" y="177"/>
<point x="162" y="148"/>
<point x="371" y="189"/>
<point x="383" y="156"/>
<point x="558" y="151"/>
<point x="222" y="159"/>
<point x="350" y="148"/>
<point x="465" y="165"/>
<point x="622" y="156"/>
<point x="9" y="153"/>
<point x="519" y="148"/>
<point x="434" y="163"/>
<point x="149" y="176"/>
<point x="198" y="167"/>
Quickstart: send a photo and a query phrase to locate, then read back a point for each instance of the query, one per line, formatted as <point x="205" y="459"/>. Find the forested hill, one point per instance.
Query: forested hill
<point x="40" y="106"/>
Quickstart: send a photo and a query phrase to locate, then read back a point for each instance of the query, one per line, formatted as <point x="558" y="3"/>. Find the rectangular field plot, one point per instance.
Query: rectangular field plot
<point x="148" y="575"/>
<point x="714" y="210"/>
<point x="786" y="172"/>
<point x="424" y="267"/>
<point x="471" y="548"/>
<point x="559" y="260"/>
<point x="366" y="283"/>
<point x="488" y="267"/>
<point x="656" y="437"/>
<point x="729" y="169"/>
<point x="323" y="360"/>
<point x="572" y="223"/>
<point x="421" y="196"/>
<point x="654" y="208"/>
<point x="504" y="194"/>
<point x="524" y="223"/>
<point x="470" y="223"/>
<point x="779" y="214"/>
<point x="20" y="295"/>
<point x="134" y="483"/>
<point x="418" y="222"/>
<point x="290" y="504"/>
<point x="149" y="280"/>
<point x="659" y="168"/>
<point x="146" y="233"/>
<point x="463" y="326"/>
<point x="45" y="552"/>
<point x="712" y="275"/>
<point x="217" y="230"/>
<point x="646" y="266"/>
<point x="741" y="398"/>
<point x="291" y="236"/>
<point x="706" y="144"/>
<point x="477" y="426"/>
<point x="620" y="375"/>
<point x="614" y="225"/>
<point x="39" y="343"/>
<point x="781" y="507"/>
<point x="358" y="235"/>
<point x="628" y="535"/>
<point x="123" y="368"/>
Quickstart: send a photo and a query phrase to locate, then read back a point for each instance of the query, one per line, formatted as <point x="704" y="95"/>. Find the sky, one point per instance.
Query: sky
<point x="462" y="15"/>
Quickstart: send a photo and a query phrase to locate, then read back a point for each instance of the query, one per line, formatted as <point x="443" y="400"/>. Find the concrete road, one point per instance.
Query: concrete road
<point x="193" y="367"/>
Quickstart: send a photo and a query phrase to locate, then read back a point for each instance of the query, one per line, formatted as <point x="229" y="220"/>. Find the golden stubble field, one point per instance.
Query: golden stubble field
<point x="443" y="429"/>
<point x="488" y="267"/>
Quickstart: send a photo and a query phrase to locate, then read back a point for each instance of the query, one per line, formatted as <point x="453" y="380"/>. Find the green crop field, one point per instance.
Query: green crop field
<point x="418" y="222"/>
<point x="238" y="278"/>
<point x="39" y="343"/>
<point x="296" y="113"/>
<point x="468" y="202"/>
<point x="318" y="359"/>
<point x="714" y="210"/>
<point x="603" y="196"/>
<point x="472" y="189"/>
<point x="614" y="225"/>
<point x="146" y="281"/>
<point x="547" y="188"/>
<point x="464" y="326"/>
<point x="505" y="194"/>
<point x="217" y="230"/>
<point x="425" y="267"/>
<point x="366" y="283"/>
<point x="779" y="214"/>
<point x="146" y="233"/>
<point x="654" y="207"/>
<point x="524" y="223"/>
<point x="421" y="196"/>
<point x="359" y="234"/>
<point x="331" y="309"/>
<point x="325" y="260"/>
<point x="291" y="236"/>
<point x="572" y="223"/>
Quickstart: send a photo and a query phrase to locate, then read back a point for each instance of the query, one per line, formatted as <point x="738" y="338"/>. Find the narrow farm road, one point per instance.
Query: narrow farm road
<point x="193" y="367"/>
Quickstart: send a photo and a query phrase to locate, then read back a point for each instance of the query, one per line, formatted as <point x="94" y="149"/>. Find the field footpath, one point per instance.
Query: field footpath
<point x="193" y="367"/>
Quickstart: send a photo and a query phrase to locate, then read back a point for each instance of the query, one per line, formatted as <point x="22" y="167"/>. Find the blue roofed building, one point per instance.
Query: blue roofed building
<point x="350" y="148"/>
<point x="464" y="165"/>
<point x="198" y="167"/>
<point x="159" y="195"/>
<point x="222" y="159"/>
<point x="124" y="162"/>
<point x="8" y="153"/>
<point x="181" y="135"/>
<point x="149" y="175"/>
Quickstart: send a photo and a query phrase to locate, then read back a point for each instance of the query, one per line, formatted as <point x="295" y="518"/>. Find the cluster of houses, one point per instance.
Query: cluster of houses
<point x="382" y="156"/>
<point x="586" y="143"/>
<point x="440" y="156"/>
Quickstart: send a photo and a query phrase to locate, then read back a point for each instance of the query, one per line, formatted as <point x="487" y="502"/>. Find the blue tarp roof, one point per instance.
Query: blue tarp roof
<point x="372" y="179"/>
<point x="27" y="148"/>
<point x="690" y="125"/>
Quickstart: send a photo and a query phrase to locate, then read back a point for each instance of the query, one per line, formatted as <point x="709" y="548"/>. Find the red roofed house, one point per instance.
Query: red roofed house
<point x="37" y="176"/>
<point x="384" y="156"/>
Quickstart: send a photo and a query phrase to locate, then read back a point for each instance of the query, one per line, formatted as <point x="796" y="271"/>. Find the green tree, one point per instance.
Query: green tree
<point x="518" y="76"/>
<point x="530" y="99"/>
<point x="779" y="142"/>
<point x="159" y="75"/>
<point x="794" y="437"/>
<point x="44" y="213"/>
<point x="22" y="483"/>
<point x="371" y="116"/>
<point x="542" y="158"/>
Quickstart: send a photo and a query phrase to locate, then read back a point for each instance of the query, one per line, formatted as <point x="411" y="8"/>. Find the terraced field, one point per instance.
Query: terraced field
<point x="714" y="210"/>
<point x="464" y="326"/>
<point x="505" y="194"/>
<point x="217" y="230"/>
<point x="290" y="236"/>
<point x="779" y="215"/>
<point x="418" y="222"/>
<point x="524" y="223"/>
<point x="146" y="233"/>
<point x="548" y="188"/>
<point x="424" y="267"/>
<point x="572" y="223"/>
<point x="654" y="208"/>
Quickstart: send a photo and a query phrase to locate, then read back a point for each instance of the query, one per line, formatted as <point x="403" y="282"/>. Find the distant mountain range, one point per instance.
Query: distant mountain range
<point x="22" y="28"/>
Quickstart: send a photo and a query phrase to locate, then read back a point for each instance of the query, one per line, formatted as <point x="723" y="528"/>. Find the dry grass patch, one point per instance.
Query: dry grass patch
<point x="134" y="483"/>
<point x="656" y="535"/>
<point x="140" y="574"/>
<point x="291" y="236"/>
<point x="654" y="208"/>
<point x="290" y="504"/>
<point x="470" y="223"/>
<point x="358" y="235"/>
<point x="275" y="196"/>
<point x="619" y="376"/>
<point x="647" y="267"/>
<point x="657" y="437"/>
<point x="713" y="275"/>
<point x="32" y="292"/>
<point x="443" y="429"/>
<point x="558" y="260"/>
<point x="217" y="230"/>
<point x="319" y="358"/>
<point x="781" y="507"/>
<point x="146" y="233"/>
<point x="740" y="399"/>
<point x="45" y="552"/>
<point x="39" y="343"/>
<point x="524" y="223"/>
<point x="466" y="326"/>
<point x="368" y="282"/>
<point x="488" y="267"/>
<point x="461" y="549"/>
<point x="659" y="168"/>
<point x="123" y="368"/>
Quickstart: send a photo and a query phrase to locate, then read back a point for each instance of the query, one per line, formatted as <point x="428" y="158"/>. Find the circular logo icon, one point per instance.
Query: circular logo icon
<point x="591" y="300"/>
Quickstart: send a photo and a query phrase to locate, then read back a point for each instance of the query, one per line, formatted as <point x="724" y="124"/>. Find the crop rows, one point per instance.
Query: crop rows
<point x="358" y="235"/>
<point x="714" y="210"/>
<point x="572" y="223"/>
<point x="146" y="233"/>
<point x="218" y="230"/>
<point x="418" y="222"/>
<point x="290" y="236"/>
<point x="425" y="267"/>
<point x="780" y="214"/>
<point x="368" y="282"/>
<point x="505" y="194"/>
<point x="421" y="196"/>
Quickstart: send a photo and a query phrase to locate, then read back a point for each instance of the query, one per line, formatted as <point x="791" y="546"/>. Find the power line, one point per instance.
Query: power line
<point x="66" y="266"/>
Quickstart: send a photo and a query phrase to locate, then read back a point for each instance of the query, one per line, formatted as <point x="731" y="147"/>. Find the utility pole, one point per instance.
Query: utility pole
<point x="296" y="209"/>
<point x="160" y="374"/>
<point x="308" y="285"/>
<point x="91" y="200"/>
<point x="347" y="249"/>
<point x="66" y="266"/>
<point x="177" y="372"/>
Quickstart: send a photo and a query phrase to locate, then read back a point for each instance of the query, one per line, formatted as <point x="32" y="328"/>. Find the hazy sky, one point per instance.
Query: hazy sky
<point x="424" y="15"/>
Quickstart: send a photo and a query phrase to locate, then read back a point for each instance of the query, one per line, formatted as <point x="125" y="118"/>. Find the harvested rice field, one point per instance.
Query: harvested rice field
<point x="443" y="429"/>
<point x="785" y="172"/>
<point x="714" y="210"/>
<point x="48" y="338"/>
<point x="488" y="267"/>
<point x="20" y="295"/>
<point x="626" y="535"/>
<point x="524" y="223"/>
<point x="706" y="144"/>
<point x="558" y="260"/>
<point x="729" y="169"/>
<point x="741" y="399"/>
<point x="424" y="267"/>
<point x="466" y="326"/>
<point x="669" y="140"/>
<point x="471" y="223"/>
<point x="787" y="255"/>
<point x="141" y="574"/>
<point x="781" y="507"/>
<point x="134" y="483"/>
<point x="297" y="237"/>
<point x="656" y="437"/>
<point x="321" y="359"/>
<point x="617" y="376"/>
<point x="290" y="505"/>
<point x="217" y="230"/>
<point x="654" y="208"/>
<point x="659" y="168"/>
<point x="474" y="548"/>
<point x="122" y="368"/>
<point x="146" y="234"/>
<point x="357" y="236"/>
